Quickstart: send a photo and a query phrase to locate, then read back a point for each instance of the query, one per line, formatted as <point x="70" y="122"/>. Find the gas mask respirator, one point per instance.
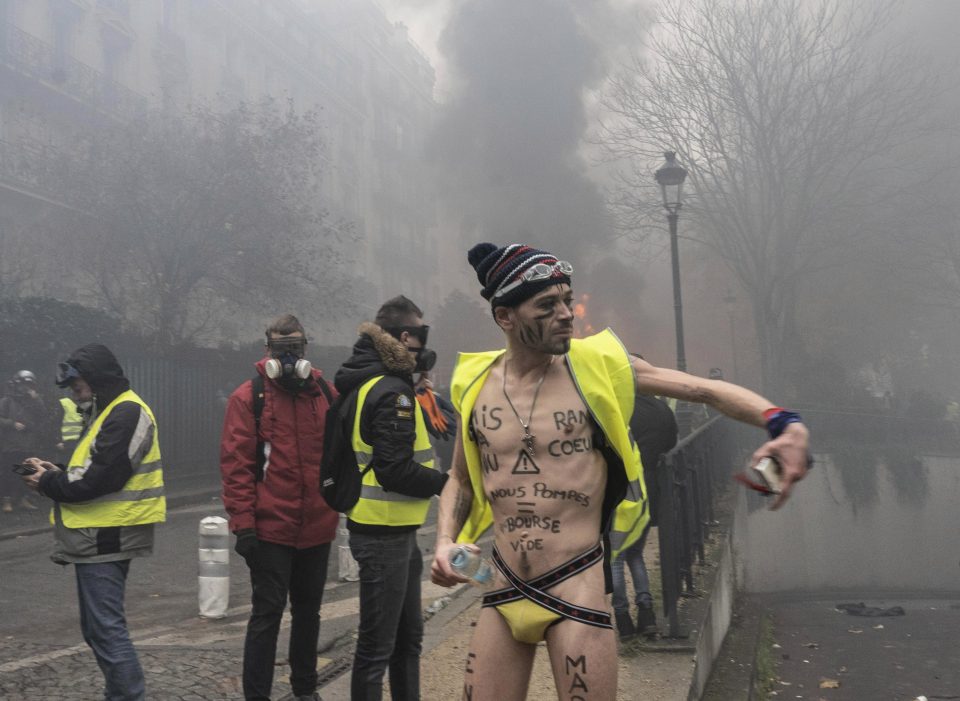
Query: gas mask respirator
<point x="286" y="360"/>
<point x="426" y="359"/>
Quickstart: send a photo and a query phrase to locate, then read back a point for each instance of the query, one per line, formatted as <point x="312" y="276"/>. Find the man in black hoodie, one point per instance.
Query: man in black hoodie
<point x="106" y="502"/>
<point x="392" y="440"/>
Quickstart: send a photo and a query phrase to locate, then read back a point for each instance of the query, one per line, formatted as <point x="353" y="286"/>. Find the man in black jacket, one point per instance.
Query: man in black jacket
<point x="391" y="440"/>
<point x="106" y="503"/>
<point x="654" y="429"/>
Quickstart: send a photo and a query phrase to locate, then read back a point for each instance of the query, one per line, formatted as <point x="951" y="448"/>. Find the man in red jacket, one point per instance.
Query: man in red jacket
<point x="271" y="490"/>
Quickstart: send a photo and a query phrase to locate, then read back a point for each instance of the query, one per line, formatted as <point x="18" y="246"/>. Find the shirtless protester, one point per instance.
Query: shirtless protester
<point x="544" y="455"/>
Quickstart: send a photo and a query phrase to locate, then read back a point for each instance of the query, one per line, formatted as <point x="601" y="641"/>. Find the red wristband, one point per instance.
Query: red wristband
<point x="769" y="413"/>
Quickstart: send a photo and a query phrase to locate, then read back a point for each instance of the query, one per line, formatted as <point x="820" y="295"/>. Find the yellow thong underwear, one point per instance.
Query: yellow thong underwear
<point x="529" y="610"/>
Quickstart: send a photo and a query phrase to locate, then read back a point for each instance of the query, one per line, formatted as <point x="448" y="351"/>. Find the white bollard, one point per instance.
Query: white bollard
<point x="214" y="567"/>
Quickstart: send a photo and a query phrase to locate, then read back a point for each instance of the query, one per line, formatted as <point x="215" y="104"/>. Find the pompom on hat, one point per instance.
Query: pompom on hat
<point x="501" y="272"/>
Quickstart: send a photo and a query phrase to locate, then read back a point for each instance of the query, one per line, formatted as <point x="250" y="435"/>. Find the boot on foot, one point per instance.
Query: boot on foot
<point x="625" y="625"/>
<point x="647" y="622"/>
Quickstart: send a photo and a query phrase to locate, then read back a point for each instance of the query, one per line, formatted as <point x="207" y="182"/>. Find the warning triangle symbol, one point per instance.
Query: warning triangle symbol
<point x="525" y="465"/>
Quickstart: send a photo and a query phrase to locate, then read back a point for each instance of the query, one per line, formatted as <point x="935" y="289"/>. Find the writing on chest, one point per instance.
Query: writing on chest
<point x="555" y="436"/>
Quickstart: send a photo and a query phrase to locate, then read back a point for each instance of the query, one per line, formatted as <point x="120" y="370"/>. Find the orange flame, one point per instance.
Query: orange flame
<point x="582" y="326"/>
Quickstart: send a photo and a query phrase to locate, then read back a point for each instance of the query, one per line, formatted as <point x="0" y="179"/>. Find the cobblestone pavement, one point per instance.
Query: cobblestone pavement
<point x="186" y="658"/>
<point x="174" y="674"/>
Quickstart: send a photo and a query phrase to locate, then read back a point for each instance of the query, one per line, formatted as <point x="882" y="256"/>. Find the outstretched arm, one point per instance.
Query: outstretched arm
<point x="455" y="501"/>
<point x="789" y="445"/>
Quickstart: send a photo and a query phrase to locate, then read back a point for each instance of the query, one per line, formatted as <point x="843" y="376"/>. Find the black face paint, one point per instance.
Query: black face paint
<point x="531" y="334"/>
<point x="534" y="333"/>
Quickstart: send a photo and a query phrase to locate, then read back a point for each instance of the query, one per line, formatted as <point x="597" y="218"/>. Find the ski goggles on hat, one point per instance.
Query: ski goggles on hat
<point x="65" y="373"/>
<point x="540" y="271"/>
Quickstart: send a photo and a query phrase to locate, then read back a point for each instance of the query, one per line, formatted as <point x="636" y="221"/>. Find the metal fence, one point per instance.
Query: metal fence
<point x="689" y="478"/>
<point x="189" y="402"/>
<point x="188" y="393"/>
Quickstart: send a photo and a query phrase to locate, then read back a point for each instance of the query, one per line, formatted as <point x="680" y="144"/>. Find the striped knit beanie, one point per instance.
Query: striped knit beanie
<point x="499" y="267"/>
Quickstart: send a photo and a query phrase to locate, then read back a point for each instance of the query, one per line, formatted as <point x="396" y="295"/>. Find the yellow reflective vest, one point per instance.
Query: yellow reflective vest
<point x="140" y="501"/>
<point x="605" y="380"/>
<point x="376" y="505"/>
<point x="72" y="425"/>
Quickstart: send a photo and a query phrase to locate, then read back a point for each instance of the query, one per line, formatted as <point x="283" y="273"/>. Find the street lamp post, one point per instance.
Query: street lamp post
<point x="670" y="177"/>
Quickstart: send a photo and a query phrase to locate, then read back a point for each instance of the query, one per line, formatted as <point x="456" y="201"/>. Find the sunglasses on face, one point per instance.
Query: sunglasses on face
<point x="540" y="271"/>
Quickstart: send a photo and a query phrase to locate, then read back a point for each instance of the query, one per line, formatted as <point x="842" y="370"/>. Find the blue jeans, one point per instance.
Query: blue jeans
<point x="633" y="557"/>
<point x="275" y="571"/>
<point x="391" y="622"/>
<point x="100" y="590"/>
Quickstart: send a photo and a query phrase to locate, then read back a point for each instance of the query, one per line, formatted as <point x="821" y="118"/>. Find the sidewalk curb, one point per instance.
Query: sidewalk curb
<point x="755" y="692"/>
<point x="716" y="619"/>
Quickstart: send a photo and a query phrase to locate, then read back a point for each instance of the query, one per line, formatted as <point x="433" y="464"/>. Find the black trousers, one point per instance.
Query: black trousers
<point x="275" y="571"/>
<point x="390" y="634"/>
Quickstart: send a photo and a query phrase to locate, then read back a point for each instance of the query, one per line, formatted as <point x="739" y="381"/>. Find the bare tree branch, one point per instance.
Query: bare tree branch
<point x="784" y="113"/>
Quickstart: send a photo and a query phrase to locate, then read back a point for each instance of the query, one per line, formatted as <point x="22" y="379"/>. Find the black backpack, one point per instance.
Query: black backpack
<point x="340" y="475"/>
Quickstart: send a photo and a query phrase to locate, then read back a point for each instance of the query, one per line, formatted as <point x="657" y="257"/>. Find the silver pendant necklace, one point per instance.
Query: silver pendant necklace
<point x="527" y="438"/>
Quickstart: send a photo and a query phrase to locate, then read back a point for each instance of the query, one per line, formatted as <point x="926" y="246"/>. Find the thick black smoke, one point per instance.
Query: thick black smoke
<point x="509" y="136"/>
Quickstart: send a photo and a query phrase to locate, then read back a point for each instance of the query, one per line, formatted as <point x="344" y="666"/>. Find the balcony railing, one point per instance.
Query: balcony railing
<point x="26" y="163"/>
<point x="119" y="7"/>
<point x="34" y="57"/>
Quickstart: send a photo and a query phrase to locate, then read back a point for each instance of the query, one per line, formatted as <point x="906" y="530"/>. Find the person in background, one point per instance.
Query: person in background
<point x="270" y="466"/>
<point x="654" y="428"/>
<point x="71" y="425"/>
<point x="391" y="436"/>
<point x="26" y="428"/>
<point x="105" y="506"/>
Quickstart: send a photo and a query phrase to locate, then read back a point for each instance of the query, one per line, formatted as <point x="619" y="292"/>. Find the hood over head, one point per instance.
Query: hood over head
<point x="100" y="369"/>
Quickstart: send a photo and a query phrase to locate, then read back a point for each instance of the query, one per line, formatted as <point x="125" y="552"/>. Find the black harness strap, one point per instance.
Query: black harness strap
<point x="535" y="589"/>
<point x="261" y="458"/>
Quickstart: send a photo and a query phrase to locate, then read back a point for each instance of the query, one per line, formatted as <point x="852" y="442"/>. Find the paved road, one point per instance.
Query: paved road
<point x="186" y="658"/>
<point x="827" y="654"/>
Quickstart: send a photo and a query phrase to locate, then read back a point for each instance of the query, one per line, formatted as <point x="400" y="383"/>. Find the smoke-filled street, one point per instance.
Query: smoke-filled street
<point x="537" y="349"/>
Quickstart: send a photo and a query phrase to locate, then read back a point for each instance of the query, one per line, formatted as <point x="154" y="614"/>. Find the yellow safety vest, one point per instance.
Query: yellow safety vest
<point x="376" y="505"/>
<point x="140" y="501"/>
<point x="72" y="425"/>
<point x="605" y="379"/>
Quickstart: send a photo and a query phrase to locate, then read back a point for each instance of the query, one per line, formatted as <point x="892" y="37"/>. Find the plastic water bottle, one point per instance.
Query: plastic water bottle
<point x="468" y="563"/>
